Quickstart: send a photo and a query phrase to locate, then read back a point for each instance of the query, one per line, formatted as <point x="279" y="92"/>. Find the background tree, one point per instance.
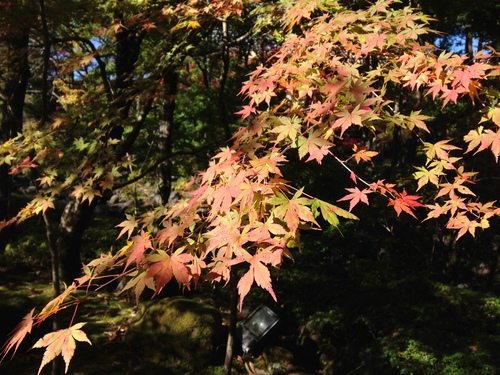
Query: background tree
<point x="14" y="75"/>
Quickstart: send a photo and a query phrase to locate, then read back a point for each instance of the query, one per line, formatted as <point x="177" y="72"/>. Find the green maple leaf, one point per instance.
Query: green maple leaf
<point x="293" y="210"/>
<point x="330" y="212"/>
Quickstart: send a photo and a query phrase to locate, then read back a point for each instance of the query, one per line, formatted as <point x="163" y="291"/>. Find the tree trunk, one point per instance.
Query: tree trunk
<point x="12" y="97"/>
<point x="228" y="361"/>
<point x="223" y="80"/>
<point x="166" y="130"/>
<point x="469" y="46"/>
<point x="74" y="220"/>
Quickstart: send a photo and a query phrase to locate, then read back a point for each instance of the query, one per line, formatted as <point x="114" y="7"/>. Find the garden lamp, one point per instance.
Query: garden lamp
<point x="258" y="324"/>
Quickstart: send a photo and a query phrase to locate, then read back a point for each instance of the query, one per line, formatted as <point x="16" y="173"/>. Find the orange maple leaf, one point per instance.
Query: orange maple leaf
<point x="463" y="225"/>
<point x="436" y="211"/>
<point x="26" y="163"/>
<point x="362" y="153"/>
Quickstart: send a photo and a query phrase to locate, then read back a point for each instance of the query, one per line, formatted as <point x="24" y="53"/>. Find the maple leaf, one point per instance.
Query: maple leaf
<point x="494" y="115"/>
<point x="288" y="128"/>
<point x="463" y="225"/>
<point x="140" y="243"/>
<point x="26" y="163"/>
<point x="356" y="196"/>
<point x="226" y="232"/>
<point x="362" y="153"/>
<point x="223" y="196"/>
<point x="259" y="272"/>
<point x="416" y="119"/>
<point x="439" y="149"/>
<point x="166" y="266"/>
<point x="18" y="335"/>
<point x="436" y="211"/>
<point x="314" y="145"/>
<point x="139" y="281"/>
<point x="451" y="95"/>
<point x="246" y="111"/>
<point x="128" y="225"/>
<point x="170" y="233"/>
<point x="484" y="140"/>
<point x="457" y="186"/>
<point x="345" y="119"/>
<point x="330" y="213"/>
<point x="61" y="342"/>
<point x="425" y="176"/>
<point x="42" y="204"/>
<point x="52" y="306"/>
<point x="293" y="210"/>
<point x="435" y="89"/>
<point x="406" y="203"/>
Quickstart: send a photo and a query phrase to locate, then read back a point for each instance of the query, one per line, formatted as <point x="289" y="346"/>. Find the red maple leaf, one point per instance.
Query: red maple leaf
<point x="406" y="203"/>
<point x="26" y="163"/>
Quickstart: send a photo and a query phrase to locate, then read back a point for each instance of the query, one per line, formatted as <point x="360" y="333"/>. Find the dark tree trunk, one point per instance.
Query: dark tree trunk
<point x="166" y="131"/>
<point x="223" y="81"/>
<point x="12" y="96"/>
<point x="228" y="361"/>
<point x="469" y="47"/>
<point x="74" y="220"/>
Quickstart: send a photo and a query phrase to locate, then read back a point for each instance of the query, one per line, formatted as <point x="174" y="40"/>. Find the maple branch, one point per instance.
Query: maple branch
<point x="74" y="314"/>
<point x="153" y="166"/>
<point x="342" y="163"/>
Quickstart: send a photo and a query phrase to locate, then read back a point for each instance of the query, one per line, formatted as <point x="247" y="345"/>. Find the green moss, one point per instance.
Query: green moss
<point x="176" y="332"/>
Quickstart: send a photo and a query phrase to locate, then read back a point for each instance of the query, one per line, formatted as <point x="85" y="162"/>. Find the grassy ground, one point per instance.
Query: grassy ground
<point x="107" y="315"/>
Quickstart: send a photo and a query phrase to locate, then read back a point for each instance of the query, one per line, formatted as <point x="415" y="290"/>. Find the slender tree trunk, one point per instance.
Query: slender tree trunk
<point x="166" y="130"/>
<point x="228" y="361"/>
<point x="223" y="80"/>
<point x="45" y="67"/>
<point x="74" y="220"/>
<point x="469" y="45"/>
<point x="56" y="284"/>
